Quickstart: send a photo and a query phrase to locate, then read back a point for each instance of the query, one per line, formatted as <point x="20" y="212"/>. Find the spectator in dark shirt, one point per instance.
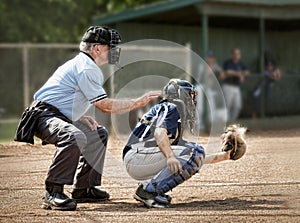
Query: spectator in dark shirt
<point x="235" y="72"/>
<point x="272" y="74"/>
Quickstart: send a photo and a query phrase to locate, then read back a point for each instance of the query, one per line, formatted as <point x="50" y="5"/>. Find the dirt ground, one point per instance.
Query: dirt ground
<point x="263" y="186"/>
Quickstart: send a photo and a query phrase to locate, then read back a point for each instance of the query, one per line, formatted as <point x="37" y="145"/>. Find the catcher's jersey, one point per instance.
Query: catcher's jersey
<point x="164" y="115"/>
<point x="74" y="87"/>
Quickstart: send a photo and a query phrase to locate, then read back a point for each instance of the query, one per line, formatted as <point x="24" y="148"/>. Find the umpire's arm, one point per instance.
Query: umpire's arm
<point x="120" y="106"/>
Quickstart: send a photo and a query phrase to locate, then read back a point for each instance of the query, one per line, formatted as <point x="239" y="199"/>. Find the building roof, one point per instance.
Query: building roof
<point x="189" y="11"/>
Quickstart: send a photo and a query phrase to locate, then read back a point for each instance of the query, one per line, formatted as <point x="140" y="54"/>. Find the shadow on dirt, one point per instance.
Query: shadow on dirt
<point x="5" y="156"/>
<point x="112" y="206"/>
<point x="233" y="204"/>
<point x="212" y="205"/>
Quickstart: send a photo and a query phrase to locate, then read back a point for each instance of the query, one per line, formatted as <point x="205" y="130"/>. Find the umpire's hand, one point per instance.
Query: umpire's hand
<point x="90" y="122"/>
<point x="146" y="98"/>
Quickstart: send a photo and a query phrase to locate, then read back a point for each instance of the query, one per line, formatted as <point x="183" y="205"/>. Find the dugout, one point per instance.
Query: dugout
<point x="260" y="28"/>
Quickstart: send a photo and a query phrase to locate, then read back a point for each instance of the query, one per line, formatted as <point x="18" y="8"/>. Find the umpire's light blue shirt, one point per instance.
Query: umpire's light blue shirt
<point x="74" y="87"/>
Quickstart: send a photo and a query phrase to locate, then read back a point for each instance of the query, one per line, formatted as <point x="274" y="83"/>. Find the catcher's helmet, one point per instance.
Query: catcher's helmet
<point x="183" y="94"/>
<point x="105" y="36"/>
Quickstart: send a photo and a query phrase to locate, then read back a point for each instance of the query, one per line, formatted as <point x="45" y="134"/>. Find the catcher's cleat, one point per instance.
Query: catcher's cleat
<point x="58" y="201"/>
<point x="89" y="195"/>
<point x="152" y="200"/>
<point x="168" y="197"/>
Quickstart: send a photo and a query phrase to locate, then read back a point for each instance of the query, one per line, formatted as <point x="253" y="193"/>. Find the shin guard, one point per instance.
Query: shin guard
<point x="166" y="181"/>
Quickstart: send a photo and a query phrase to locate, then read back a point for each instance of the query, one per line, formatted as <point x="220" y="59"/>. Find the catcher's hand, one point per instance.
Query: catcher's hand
<point x="233" y="140"/>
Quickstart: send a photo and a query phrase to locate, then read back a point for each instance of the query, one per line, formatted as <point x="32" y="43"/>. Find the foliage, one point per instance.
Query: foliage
<point x="121" y="5"/>
<point x="54" y="20"/>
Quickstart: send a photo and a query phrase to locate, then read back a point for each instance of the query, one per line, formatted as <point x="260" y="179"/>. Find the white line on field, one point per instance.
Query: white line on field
<point x="244" y="184"/>
<point x="183" y="185"/>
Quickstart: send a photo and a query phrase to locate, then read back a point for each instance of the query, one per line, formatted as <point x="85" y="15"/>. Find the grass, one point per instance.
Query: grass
<point x="7" y="131"/>
<point x="268" y="123"/>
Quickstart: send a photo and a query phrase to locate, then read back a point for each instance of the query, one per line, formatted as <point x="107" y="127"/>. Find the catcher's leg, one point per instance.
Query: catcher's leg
<point x="145" y="163"/>
<point x="191" y="160"/>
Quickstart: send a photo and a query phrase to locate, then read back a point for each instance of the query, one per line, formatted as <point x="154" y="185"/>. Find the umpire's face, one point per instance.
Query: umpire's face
<point x="100" y="54"/>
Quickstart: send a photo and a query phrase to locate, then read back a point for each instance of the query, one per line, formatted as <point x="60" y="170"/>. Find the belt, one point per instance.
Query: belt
<point x="48" y="107"/>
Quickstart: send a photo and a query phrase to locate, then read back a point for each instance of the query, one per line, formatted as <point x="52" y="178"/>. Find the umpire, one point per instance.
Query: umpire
<point x="56" y="116"/>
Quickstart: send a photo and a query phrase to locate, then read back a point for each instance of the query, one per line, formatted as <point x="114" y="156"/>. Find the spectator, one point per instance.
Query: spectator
<point x="235" y="72"/>
<point x="214" y="66"/>
<point x="271" y="74"/>
<point x="206" y="81"/>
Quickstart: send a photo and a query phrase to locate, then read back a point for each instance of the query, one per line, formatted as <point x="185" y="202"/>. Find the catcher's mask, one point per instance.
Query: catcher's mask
<point x="183" y="94"/>
<point x="105" y="36"/>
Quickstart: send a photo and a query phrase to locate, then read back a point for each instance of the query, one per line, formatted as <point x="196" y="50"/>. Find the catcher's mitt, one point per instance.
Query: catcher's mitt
<point x="233" y="140"/>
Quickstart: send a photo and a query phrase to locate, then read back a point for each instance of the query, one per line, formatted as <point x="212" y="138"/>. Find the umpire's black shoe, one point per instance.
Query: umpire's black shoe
<point x="150" y="199"/>
<point x="58" y="201"/>
<point x="89" y="195"/>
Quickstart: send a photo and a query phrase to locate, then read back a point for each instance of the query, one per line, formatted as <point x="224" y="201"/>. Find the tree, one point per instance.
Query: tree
<point x="54" y="20"/>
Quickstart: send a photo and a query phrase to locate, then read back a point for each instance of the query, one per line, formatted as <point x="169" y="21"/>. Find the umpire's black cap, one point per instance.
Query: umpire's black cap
<point x="102" y="35"/>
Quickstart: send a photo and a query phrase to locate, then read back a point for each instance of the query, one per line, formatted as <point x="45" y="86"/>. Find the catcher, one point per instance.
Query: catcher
<point x="156" y="151"/>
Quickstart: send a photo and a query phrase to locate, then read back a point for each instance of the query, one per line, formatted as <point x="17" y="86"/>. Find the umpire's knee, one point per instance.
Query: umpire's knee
<point x="80" y="139"/>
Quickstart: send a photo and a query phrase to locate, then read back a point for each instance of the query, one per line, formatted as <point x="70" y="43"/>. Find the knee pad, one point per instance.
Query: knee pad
<point x="166" y="181"/>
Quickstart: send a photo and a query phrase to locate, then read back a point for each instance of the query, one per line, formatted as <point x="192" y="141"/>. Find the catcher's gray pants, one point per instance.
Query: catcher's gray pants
<point x="233" y="99"/>
<point x="145" y="163"/>
<point x="80" y="153"/>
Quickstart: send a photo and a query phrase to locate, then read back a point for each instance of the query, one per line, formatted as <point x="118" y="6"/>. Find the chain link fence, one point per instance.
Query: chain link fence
<point x="24" y="68"/>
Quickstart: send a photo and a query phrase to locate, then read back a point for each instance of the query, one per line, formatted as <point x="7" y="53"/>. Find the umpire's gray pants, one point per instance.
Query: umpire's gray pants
<point x="80" y="153"/>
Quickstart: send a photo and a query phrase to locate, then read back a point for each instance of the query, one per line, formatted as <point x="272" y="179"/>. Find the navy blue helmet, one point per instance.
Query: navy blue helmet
<point x="183" y="94"/>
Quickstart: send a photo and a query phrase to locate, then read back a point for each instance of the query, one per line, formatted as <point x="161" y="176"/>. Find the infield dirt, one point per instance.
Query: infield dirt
<point x="263" y="186"/>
